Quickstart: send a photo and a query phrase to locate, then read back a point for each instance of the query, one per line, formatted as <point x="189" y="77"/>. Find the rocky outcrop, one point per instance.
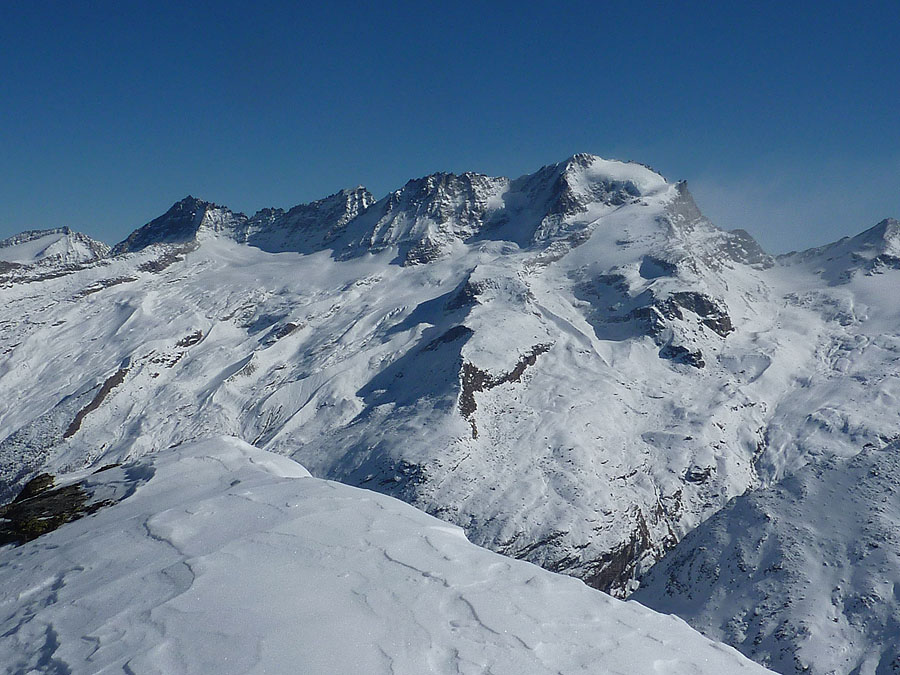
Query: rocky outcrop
<point x="472" y="380"/>
<point x="111" y="383"/>
<point x="42" y="506"/>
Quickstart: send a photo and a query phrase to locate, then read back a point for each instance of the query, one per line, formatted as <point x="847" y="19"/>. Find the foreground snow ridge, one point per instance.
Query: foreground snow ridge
<point x="224" y="562"/>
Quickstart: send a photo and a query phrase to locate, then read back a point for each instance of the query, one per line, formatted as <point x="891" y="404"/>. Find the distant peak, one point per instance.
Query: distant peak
<point x="869" y="252"/>
<point x="582" y="159"/>
<point x="587" y="159"/>
<point x="431" y="179"/>
<point x="57" y="245"/>
<point x="190" y="203"/>
<point x="883" y="238"/>
<point x="349" y="199"/>
<point x="888" y="228"/>
<point x="29" y="235"/>
<point x="886" y="232"/>
<point x="358" y="192"/>
<point x="178" y="225"/>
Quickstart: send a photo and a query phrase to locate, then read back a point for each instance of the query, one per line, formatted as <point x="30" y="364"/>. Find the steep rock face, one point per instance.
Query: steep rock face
<point x="306" y="227"/>
<point x="180" y="225"/>
<point x="697" y="239"/>
<point x="425" y="217"/>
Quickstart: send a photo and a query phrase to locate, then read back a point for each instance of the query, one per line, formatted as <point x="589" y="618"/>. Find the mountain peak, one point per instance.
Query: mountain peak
<point x="189" y="203"/>
<point x="358" y="190"/>
<point x="179" y="225"/>
<point x="429" y="215"/>
<point x="888" y="232"/>
<point x="592" y="168"/>
<point x="55" y="245"/>
<point x="353" y="198"/>
<point x="869" y="252"/>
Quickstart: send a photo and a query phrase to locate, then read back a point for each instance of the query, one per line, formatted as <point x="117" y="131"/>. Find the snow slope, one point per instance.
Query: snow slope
<point x="575" y="366"/>
<point x="55" y="247"/>
<point x="229" y="559"/>
<point x="802" y="576"/>
<point x="612" y="290"/>
<point x="801" y="573"/>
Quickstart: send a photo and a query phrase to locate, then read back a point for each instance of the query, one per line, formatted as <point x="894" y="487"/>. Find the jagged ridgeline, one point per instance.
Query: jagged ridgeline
<point x="576" y="366"/>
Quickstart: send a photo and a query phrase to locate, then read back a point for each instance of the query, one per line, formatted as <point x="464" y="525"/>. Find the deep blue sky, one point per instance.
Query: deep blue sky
<point x="783" y="117"/>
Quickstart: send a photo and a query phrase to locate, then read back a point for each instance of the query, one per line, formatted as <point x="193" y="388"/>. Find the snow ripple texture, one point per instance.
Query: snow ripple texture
<point x="233" y="560"/>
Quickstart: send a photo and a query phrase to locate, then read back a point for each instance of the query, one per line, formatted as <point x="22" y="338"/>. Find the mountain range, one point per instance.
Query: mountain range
<point x="575" y="367"/>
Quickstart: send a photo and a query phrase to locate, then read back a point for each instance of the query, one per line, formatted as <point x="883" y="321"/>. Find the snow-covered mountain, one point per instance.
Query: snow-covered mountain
<point x="803" y="575"/>
<point x="57" y="247"/>
<point x="575" y="366"/>
<point x="222" y="558"/>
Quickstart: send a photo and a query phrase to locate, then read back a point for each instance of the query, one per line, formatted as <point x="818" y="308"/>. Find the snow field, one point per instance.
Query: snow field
<point x="232" y="560"/>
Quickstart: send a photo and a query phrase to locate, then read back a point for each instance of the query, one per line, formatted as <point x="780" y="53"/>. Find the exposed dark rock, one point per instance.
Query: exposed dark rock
<point x="882" y="262"/>
<point x="8" y="266"/>
<point x="696" y="474"/>
<point x="711" y="314"/>
<point x="455" y="333"/>
<point x="680" y="354"/>
<point x="473" y="379"/>
<point x="652" y="316"/>
<point x="190" y="340"/>
<point x="99" y="285"/>
<point x="612" y="570"/>
<point x="40" y="483"/>
<point x="422" y="253"/>
<point x="466" y="296"/>
<point x="111" y="382"/>
<point x="39" y="509"/>
<point x="178" y="225"/>
<point x="277" y="334"/>
<point x="171" y="255"/>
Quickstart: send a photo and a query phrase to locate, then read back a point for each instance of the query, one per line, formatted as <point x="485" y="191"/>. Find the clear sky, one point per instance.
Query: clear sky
<point x="783" y="117"/>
